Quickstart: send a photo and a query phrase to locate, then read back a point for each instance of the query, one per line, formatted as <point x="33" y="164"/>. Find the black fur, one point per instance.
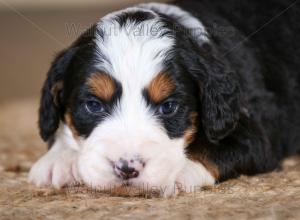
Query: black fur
<point x="260" y="75"/>
<point x="51" y="106"/>
<point x="133" y="17"/>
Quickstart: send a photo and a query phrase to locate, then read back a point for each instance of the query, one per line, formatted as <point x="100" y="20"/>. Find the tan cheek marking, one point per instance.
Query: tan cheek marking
<point x="208" y="164"/>
<point x="160" y="87"/>
<point x="189" y="137"/>
<point x="69" y="122"/>
<point x="189" y="134"/>
<point x="102" y="85"/>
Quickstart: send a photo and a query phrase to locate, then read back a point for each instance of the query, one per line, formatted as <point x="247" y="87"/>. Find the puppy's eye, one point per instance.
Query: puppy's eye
<point x="168" y="108"/>
<point x="94" y="107"/>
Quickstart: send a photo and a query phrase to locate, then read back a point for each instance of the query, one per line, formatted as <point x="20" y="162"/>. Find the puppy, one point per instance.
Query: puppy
<point x="174" y="97"/>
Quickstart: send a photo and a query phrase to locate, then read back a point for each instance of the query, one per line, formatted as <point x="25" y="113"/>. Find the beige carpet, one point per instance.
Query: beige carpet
<point x="270" y="196"/>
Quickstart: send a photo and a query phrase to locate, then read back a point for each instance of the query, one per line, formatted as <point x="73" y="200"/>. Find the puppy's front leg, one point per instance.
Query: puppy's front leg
<point x="56" y="168"/>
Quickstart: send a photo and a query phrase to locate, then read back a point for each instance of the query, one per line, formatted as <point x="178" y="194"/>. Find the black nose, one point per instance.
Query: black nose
<point x="125" y="172"/>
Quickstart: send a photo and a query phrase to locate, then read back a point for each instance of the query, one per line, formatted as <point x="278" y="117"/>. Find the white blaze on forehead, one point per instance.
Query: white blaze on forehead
<point x="134" y="54"/>
<point x="135" y="51"/>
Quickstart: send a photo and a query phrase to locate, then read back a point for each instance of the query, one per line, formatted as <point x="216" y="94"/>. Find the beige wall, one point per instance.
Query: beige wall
<point x="67" y="4"/>
<point x="33" y="31"/>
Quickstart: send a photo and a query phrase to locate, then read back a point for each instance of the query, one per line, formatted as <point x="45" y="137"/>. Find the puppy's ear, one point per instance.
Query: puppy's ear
<point x="52" y="92"/>
<point x="220" y="94"/>
<point x="220" y="105"/>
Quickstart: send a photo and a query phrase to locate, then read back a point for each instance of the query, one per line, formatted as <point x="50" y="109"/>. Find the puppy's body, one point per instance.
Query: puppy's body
<point x="156" y="95"/>
<point x="261" y="42"/>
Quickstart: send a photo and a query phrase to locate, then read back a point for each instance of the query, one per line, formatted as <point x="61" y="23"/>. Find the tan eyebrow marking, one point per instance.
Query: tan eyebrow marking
<point x="102" y="85"/>
<point x="160" y="87"/>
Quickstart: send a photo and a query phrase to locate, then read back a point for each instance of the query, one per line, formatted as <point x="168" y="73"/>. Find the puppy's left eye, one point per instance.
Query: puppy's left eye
<point x="94" y="107"/>
<point x="168" y="108"/>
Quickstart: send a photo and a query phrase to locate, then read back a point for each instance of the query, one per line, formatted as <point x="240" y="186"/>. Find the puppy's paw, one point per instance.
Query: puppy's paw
<point x="170" y="191"/>
<point x="193" y="177"/>
<point x="55" y="169"/>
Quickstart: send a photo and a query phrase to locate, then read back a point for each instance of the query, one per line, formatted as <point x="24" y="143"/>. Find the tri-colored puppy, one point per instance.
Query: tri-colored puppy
<point x="154" y="95"/>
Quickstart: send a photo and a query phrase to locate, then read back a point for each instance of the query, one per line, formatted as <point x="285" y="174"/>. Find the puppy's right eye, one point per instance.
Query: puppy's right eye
<point x="94" y="107"/>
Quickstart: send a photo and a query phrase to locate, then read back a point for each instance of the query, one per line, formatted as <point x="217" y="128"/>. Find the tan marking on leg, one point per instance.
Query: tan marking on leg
<point x="208" y="164"/>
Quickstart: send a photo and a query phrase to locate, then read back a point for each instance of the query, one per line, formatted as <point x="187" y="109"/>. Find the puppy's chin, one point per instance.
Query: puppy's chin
<point x="106" y="181"/>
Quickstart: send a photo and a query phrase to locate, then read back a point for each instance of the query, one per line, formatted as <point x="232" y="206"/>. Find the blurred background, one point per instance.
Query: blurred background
<point x="32" y="32"/>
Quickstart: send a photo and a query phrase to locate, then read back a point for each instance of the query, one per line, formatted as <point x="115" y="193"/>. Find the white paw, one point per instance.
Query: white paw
<point x="170" y="191"/>
<point x="193" y="177"/>
<point x="55" y="168"/>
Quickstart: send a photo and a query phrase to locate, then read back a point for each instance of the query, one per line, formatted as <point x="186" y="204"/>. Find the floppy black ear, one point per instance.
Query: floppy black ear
<point x="220" y="93"/>
<point x="220" y="105"/>
<point x="50" y="104"/>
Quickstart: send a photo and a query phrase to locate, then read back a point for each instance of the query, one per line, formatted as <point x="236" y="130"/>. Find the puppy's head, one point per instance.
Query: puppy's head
<point x="134" y="92"/>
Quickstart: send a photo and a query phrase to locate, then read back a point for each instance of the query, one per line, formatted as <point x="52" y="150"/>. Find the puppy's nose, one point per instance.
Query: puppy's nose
<point x="124" y="171"/>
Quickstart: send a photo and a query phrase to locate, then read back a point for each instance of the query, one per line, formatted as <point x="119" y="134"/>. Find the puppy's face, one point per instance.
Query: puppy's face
<point x="131" y="114"/>
<point x="127" y="97"/>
